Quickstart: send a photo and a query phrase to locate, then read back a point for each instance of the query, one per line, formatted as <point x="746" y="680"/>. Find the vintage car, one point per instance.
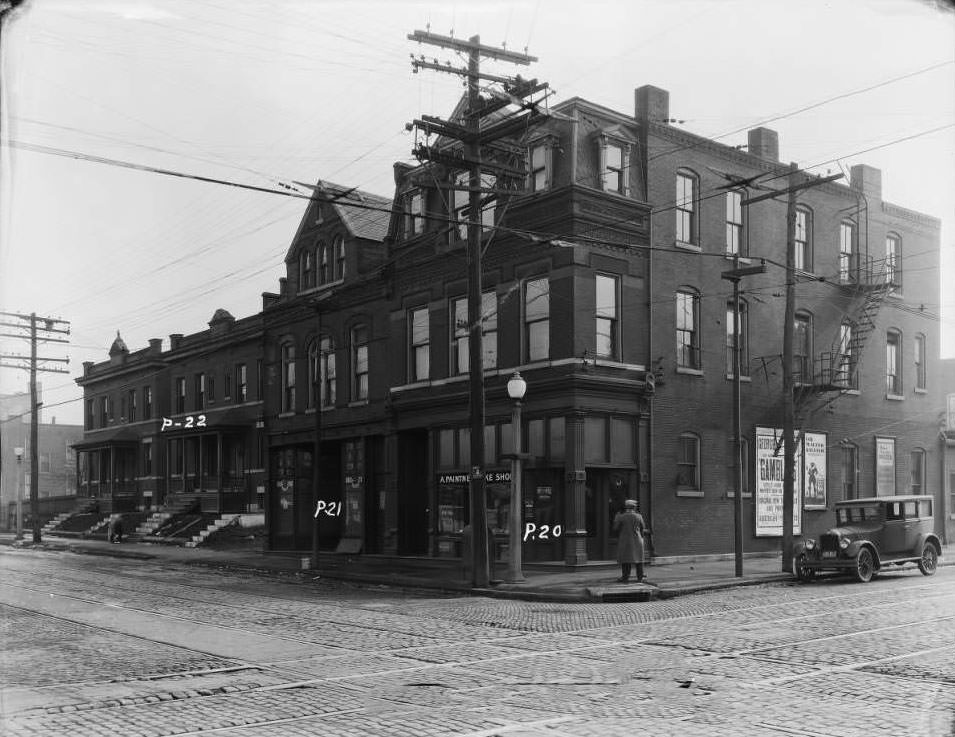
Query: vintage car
<point x="871" y="534"/>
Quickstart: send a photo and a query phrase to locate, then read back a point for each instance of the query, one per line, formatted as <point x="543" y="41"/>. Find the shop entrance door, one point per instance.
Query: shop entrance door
<point x="413" y="492"/>
<point x="606" y="492"/>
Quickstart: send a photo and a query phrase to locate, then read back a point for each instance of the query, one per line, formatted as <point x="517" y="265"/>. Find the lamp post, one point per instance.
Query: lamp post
<point x="516" y="387"/>
<point x="18" y="452"/>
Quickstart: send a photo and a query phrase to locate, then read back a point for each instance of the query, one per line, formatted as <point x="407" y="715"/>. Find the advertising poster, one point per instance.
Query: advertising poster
<point x="884" y="466"/>
<point x="814" y="470"/>
<point x="769" y="484"/>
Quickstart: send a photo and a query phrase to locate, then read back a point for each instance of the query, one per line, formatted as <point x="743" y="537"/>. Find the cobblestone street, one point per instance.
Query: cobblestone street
<point x="96" y="646"/>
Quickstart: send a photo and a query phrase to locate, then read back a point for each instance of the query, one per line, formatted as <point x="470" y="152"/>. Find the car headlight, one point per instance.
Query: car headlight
<point x="843" y="542"/>
<point x="810" y="544"/>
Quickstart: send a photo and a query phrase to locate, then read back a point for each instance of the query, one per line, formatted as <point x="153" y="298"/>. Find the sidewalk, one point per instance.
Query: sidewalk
<point x="593" y="583"/>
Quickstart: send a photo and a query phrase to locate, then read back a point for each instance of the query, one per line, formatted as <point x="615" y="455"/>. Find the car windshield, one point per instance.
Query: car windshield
<point x="851" y="515"/>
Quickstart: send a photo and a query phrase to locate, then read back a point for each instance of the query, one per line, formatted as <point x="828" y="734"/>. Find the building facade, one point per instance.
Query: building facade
<point x="160" y="425"/>
<point x="603" y="287"/>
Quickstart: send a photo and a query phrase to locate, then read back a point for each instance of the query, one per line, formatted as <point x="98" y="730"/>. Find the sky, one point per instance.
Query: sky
<point x="268" y="93"/>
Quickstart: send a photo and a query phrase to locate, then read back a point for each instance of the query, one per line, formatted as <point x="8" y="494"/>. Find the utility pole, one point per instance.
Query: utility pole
<point x="473" y="136"/>
<point x="46" y="331"/>
<point x="789" y="409"/>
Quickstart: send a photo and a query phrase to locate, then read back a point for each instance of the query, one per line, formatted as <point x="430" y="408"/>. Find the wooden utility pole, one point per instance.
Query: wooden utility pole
<point x="789" y="410"/>
<point x="473" y="136"/>
<point x="47" y="330"/>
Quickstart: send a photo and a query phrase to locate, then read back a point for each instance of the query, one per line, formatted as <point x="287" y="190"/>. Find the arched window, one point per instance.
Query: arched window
<point x="893" y="261"/>
<point x="339" y="257"/>
<point x="359" y="361"/>
<point x="920" y="361"/>
<point x="687" y="207"/>
<point x="802" y="348"/>
<point x="845" y="370"/>
<point x="917" y="471"/>
<point x="803" y="252"/>
<point x="307" y="269"/>
<point x="847" y="250"/>
<point x="324" y="264"/>
<point x="288" y="377"/>
<point x="735" y="234"/>
<point x="312" y="373"/>
<point x="327" y="363"/>
<point x="688" y="328"/>
<point x="743" y="334"/>
<point x="893" y="363"/>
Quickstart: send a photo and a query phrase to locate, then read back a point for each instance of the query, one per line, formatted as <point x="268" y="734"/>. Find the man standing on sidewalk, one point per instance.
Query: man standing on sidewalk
<point x="629" y="526"/>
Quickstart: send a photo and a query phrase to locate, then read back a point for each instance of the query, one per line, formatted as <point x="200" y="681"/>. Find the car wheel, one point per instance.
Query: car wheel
<point x="865" y="566"/>
<point x="929" y="560"/>
<point x="802" y="571"/>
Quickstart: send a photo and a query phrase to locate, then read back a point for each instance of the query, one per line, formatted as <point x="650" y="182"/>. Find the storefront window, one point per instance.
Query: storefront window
<point x="621" y="438"/>
<point x="595" y="439"/>
<point x="557" y="438"/>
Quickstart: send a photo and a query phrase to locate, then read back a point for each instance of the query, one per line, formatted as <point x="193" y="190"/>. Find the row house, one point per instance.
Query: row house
<point x="185" y="422"/>
<point x="602" y="286"/>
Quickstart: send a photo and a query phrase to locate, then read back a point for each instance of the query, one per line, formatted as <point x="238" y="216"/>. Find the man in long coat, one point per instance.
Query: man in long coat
<point x="629" y="526"/>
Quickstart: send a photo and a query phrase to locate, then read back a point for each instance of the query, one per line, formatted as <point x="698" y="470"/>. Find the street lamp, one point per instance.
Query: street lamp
<point x="18" y="452"/>
<point x="516" y="387"/>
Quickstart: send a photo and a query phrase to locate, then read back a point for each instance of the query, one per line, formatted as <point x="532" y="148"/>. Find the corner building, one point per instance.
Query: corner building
<point x="605" y="235"/>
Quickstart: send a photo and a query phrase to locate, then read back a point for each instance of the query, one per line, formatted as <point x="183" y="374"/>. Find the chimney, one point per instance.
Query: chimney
<point x="155" y="345"/>
<point x="867" y="180"/>
<point x="651" y="104"/>
<point x="87" y="368"/>
<point x="283" y="286"/>
<point x="764" y="143"/>
<point x="175" y="340"/>
<point x="53" y="420"/>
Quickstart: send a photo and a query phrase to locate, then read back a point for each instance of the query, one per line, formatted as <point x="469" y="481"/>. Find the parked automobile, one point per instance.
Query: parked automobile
<point x="871" y="534"/>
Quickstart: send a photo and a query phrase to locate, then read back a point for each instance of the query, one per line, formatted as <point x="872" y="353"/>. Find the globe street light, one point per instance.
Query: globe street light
<point x="516" y="387"/>
<point x="18" y="452"/>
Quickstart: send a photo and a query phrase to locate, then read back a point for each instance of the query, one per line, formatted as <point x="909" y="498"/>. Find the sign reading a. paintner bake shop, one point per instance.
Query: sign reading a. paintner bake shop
<point x="769" y="484"/>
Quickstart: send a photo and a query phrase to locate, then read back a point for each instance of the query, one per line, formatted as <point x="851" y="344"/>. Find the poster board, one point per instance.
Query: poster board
<point x="884" y="466"/>
<point x="768" y="502"/>
<point x="814" y="470"/>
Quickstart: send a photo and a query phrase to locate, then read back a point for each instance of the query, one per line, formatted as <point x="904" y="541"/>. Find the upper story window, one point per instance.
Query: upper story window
<point x="90" y="412"/>
<point x="460" y="333"/>
<point x="131" y="405"/>
<point x="180" y="398"/>
<point x="803" y="254"/>
<point x="313" y="369"/>
<point x="105" y="411"/>
<point x="414" y="213"/>
<point x="419" y="343"/>
<point x="226" y="384"/>
<point x="893" y="361"/>
<point x="687" y="329"/>
<point x="540" y="172"/>
<point x="614" y="172"/>
<point x="847" y="239"/>
<point x="608" y="312"/>
<point x="327" y="377"/>
<point x="359" y="347"/>
<point x="241" y="383"/>
<point x="920" y="361"/>
<point x="339" y="248"/>
<point x="802" y="348"/>
<point x="324" y="263"/>
<point x="307" y="268"/>
<point x="734" y="223"/>
<point x="893" y="261"/>
<point x="846" y="369"/>
<point x="147" y="402"/>
<point x="537" y="319"/>
<point x="687" y="196"/>
<point x="288" y="377"/>
<point x="200" y="396"/>
<point x="742" y="335"/>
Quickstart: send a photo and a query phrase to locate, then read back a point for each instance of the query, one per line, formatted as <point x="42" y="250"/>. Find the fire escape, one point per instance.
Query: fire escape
<point x="836" y="371"/>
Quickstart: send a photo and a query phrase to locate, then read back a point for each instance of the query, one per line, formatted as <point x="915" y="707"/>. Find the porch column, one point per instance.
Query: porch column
<point x="219" y="461"/>
<point x="112" y="470"/>
<point x="575" y="493"/>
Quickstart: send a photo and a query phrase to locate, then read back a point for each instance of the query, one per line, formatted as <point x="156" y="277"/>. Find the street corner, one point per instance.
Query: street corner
<point x="624" y="592"/>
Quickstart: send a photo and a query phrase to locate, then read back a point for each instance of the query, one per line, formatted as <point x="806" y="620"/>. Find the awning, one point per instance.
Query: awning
<point x="119" y="435"/>
<point x="234" y="419"/>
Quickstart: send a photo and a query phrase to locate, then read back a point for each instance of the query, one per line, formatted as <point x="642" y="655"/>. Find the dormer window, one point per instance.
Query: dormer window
<point x="540" y="169"/>
<point x="414" y="213"/>
<point x="339" y="257"/>
<point x="460" y="197"/>
<point x="307" y="269"/>
<point x="614" y="155"/>
<point x="324" y="264"/>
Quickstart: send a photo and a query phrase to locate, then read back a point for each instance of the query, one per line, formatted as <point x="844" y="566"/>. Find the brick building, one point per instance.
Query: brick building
<point x="185" y="421"/>
<point x="602" y="286"/>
